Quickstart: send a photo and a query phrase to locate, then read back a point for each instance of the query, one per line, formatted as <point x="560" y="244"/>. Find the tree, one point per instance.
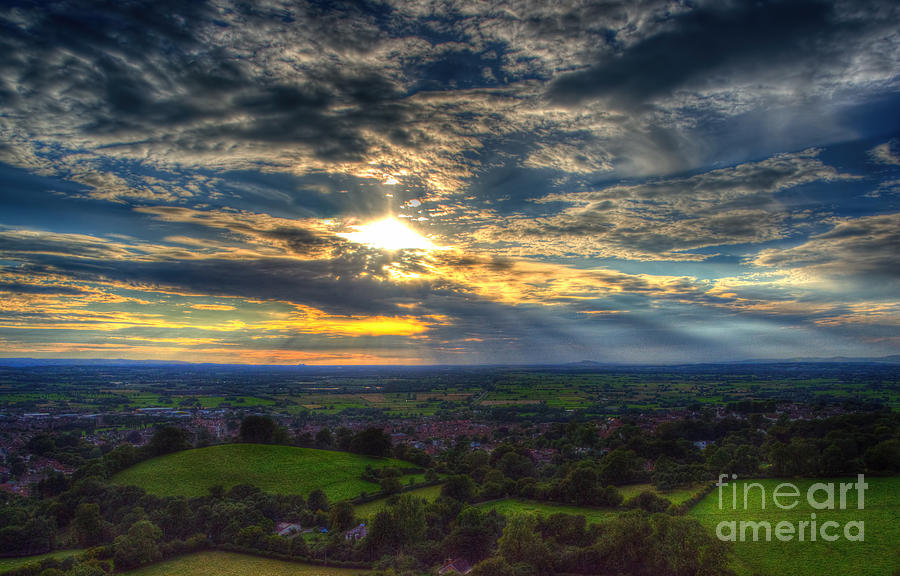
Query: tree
<point x="580" y="485"/>
<point x="649" y="501"/>
<point x="258" y="429"/>
<point x="42" y="444"/>
<point x="317" y="500"/>
<point x="409" y="519"/>
<point x="623" y="546"/>
<point x="324" y="438"/>
<point x="343" y="436"/>
<point x="521" y="543"/>
<point x="474" y="535"/>
<point x="178" y="520"/>
<point x="493" y="567"/>
<point x="168" y="439"/>
<point x="88" y="524"/>
<point x="884" y="456"/>
<point x="371" y="441"/>
<point x="341" y="516"/>
<point x="681" y="546"/>
<point x="459" y="487"/>
<point x="53" y="484"/>
<point x="120" y="458"/>
<point x="86" y="569"/>
<point x="139" y="546"/>
<point x="390" y="485"/>
<point x="516" y="466"/>
<point x="620" y="467"/>
<point x="397" y="527"/>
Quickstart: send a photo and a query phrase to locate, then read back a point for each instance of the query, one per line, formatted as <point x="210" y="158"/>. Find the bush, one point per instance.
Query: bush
<point x="649" y="502"/>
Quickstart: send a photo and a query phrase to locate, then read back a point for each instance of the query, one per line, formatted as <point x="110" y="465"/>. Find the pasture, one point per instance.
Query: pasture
<point x="876" y="555"/>
<point x="216" y="563"/>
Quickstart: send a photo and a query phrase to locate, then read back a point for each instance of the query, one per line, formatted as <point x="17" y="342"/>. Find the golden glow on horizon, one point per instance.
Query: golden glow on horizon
<point x="388" y="234"/>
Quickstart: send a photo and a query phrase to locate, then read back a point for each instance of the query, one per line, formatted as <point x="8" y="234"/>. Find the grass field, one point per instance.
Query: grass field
<point x="675" y="496"/>
<point x="369" y="509"/>
<point x="877" y="555"/>
<point x="11" y="563"/>
<point x="519" y="506"/>
<point x="278" y="469"/>
<point x="216" y="563"/>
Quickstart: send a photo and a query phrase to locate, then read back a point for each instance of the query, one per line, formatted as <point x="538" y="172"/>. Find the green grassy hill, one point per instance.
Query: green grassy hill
<point x="278" y="469"/>
<point x="216" y="563"/>
<point x="877" y="555"/>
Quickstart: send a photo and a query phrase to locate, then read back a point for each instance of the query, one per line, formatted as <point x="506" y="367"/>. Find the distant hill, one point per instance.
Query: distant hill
<point x="584" y="364"/>
<point x="24" y="362"/>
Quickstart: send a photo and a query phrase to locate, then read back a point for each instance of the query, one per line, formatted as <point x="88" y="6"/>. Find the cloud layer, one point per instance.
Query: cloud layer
<point x="605" y="180"/>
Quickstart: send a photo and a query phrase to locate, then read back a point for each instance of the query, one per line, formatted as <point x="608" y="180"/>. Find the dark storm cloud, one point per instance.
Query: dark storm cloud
<point x="699" y="47"/>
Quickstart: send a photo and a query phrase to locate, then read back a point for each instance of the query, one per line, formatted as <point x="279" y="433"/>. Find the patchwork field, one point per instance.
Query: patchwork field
<point x="612" y="392"/>
<point x="602" y="392"/>
<point x="878" y="554"/>
<point x="12" y="563"/>
<point x="279" y="469"/>
<point x="214" y="563"/>
<point x="520" y="506"/>
<point x="394" y="403"/>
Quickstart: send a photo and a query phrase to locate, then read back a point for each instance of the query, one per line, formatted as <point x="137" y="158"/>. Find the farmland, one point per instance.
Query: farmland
<point x="278" y="469"/>
<point x="407" y="392"/>
<point x="229" y="564"/>
<point x="877" y="555"/>
<point x="614" y="392"/>
<point x="392" y="403"/>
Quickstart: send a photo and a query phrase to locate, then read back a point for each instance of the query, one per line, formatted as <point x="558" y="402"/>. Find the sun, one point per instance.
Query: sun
<point x="388" y="234"/>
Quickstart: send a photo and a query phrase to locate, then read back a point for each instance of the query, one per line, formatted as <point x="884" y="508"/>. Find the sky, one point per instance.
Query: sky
<point x="448" y="182"/>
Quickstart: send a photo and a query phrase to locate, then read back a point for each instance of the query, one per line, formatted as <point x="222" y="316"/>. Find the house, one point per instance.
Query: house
<point x="287" y="528"/>
<point x="455" y="566"/>
<point x="357" y="533"/>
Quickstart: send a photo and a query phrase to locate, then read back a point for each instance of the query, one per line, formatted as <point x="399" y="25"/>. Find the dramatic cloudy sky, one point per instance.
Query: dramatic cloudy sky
<point x="416" y="181"/>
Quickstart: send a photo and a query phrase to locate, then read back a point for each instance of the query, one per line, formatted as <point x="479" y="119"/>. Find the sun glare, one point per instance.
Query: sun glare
<point x="388" y="234"/>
